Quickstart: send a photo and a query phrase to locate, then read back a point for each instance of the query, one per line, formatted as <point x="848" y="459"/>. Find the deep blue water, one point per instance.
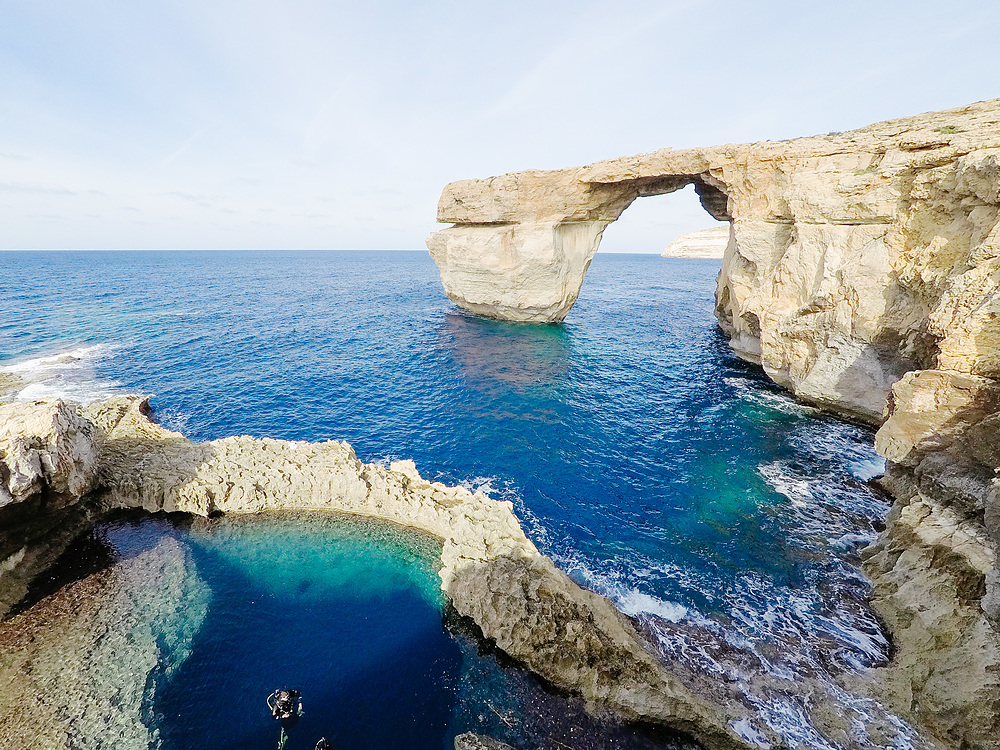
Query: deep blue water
<point x="647" y="460"/>
<point x="331" y="606"/>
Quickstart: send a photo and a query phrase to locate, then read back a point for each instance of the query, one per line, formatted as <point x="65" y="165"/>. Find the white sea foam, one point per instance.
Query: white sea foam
<point x="751" y="391"/>
<point x="795" y="488"/>
<point x="68" y="375"/>
<point x="790" y="720"/>
<point x="745" y="729"/>
<point x="482" y="484"/>
<point x="634" y="602"/>
<point x="173" y="419"/>
<point x="627" y="599"/>
<point x="67" y="360"/>
<point x="865" y="469"/>
<point x="386" y="460"/>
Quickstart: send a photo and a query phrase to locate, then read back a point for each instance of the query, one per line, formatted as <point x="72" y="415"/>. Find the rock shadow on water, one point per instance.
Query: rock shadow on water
<point x="492" y="355"/>
<point x="85" y="555"/>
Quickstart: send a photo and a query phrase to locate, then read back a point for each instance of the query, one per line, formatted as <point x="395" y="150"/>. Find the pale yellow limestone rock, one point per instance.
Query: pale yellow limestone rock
<point x="44" y="447"/>
<point x="851" y="252"/>
<point x="863" y="273"/>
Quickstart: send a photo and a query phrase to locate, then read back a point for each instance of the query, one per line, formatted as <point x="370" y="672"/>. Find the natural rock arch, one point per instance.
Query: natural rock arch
<point x="838" y="275"/>
<point x="521" y="244"/>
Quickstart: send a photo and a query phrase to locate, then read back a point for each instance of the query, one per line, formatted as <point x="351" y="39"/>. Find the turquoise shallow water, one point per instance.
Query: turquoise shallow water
<point x="644" y="457"/>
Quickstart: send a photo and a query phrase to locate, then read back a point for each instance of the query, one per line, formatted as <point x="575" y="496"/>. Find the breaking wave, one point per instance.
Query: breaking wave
<point x="70" y="375"/>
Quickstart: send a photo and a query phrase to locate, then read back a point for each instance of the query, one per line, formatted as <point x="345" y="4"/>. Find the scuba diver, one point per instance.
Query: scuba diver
<point x="286" y="706"/>
<point x="323" y="744"/>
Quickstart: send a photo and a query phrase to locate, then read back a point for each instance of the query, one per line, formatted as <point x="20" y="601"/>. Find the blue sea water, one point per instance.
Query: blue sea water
<point x="648" y="461"/>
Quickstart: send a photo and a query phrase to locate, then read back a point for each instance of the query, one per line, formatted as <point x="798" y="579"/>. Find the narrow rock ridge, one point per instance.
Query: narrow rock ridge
<point x="573" y="638"/>
<point x="862" y="273"/>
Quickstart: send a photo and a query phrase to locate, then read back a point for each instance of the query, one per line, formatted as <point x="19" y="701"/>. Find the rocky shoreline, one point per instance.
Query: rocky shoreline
<point x="862" y="273"/>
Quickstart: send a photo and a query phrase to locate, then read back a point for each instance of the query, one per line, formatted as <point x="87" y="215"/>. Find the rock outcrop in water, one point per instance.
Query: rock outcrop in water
<point x="862" y="273"/>
<point x="491" y="571"/>
<point x="472" y="741"/>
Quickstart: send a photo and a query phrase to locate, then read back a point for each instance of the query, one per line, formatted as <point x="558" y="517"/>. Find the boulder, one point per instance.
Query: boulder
<point x="46" y="449"/>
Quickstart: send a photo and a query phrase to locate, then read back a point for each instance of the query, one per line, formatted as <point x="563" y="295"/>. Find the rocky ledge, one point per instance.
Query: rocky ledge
<point x="109" y="455"/>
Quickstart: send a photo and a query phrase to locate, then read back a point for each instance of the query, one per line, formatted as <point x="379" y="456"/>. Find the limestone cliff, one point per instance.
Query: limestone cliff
<point x="862" y="273"/>
<point x="48" y="463"/>
<point x="854" y="257"/>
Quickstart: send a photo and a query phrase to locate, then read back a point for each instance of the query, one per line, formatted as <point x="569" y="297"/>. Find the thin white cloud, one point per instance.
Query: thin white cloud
<point x="30" y="187"/>
<point x="202" y="115"/>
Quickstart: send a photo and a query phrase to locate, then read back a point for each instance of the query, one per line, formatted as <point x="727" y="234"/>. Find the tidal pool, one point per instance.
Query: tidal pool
<point x="190" y="624"/>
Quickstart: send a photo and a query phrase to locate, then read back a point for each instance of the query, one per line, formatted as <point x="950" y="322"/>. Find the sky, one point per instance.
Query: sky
<point x="303" y="124"/>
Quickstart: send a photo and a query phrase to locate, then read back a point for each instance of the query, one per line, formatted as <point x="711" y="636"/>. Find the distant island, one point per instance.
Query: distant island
<point x="705" y="243"/>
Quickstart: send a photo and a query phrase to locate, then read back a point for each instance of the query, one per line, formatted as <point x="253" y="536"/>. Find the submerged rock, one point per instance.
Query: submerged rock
<point x="10" y="384"/>
<point x="473" y="741"/>
<point x="80" y="668"/>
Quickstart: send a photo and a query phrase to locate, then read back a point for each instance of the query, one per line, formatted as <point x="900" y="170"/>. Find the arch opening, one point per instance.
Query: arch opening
<point x="655" y="219"/>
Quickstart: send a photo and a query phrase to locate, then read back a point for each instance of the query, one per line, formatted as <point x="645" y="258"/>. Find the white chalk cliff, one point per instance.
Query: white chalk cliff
<point x="862" y="273"/>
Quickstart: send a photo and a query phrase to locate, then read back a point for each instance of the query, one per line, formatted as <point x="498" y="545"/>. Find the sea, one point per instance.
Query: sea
<point x="648" y="461"/>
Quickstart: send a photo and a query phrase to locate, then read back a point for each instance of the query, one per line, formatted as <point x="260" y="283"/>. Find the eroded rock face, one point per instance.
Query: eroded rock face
<point x="45" y="448"/>
<point x="48" y="462"/>
<point x="935" y="568"/>
<point x="854" y="258"/>
<point x="526" y="273"/>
